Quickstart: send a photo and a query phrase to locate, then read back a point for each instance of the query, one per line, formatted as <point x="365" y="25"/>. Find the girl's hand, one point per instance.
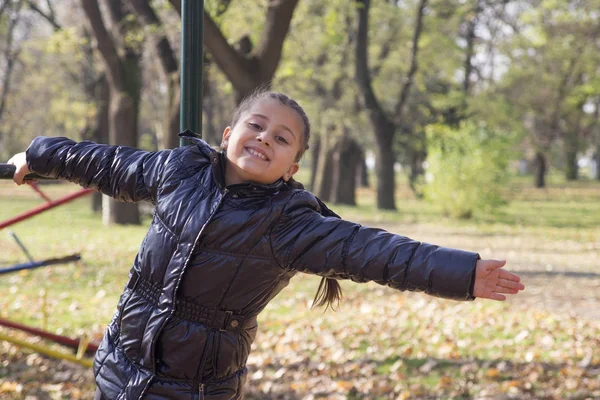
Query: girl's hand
<point x="491" y="280"/>
<point x="19" y="160"/>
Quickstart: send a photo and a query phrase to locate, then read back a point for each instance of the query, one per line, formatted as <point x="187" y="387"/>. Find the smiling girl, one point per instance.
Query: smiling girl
<point x="230" y="229"/>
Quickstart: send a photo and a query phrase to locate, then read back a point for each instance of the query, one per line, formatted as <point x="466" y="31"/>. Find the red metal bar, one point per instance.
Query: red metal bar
<point x="66" y="341"/>
<point x="44" y="207"/>
<point x="35" y="187"/>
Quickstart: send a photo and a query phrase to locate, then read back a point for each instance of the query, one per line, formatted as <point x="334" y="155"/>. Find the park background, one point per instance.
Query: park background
<point x="466" y="123"/>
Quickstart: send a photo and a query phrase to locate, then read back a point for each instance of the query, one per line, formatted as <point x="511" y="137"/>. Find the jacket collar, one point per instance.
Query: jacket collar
<point x="218" y="161"/>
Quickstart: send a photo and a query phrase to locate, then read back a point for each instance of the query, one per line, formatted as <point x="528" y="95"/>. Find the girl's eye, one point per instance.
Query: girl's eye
<point x="282" y="139"/>
<point x="255" y="126"/>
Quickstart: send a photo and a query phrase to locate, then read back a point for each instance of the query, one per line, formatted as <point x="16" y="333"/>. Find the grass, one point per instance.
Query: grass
<point x="568" y="211"/>
<point x="389" y="333"/>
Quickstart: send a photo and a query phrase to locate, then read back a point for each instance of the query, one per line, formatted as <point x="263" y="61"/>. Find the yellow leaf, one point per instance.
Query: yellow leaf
<point x="492" y="373"/>
<point x="446" y="381"/>
<point x="345" y="385"/>
<point x="514" y="383"/>
<point x="405" y="395"/>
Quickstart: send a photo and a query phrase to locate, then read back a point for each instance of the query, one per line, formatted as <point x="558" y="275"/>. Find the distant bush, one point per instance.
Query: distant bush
<point x="466" y="168"/>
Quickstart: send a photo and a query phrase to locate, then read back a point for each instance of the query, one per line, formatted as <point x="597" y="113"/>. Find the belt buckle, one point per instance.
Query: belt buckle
<point x="225" y="325"/>
<point x="134" y="280"/>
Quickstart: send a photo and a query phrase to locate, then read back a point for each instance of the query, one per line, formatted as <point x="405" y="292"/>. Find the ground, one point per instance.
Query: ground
<point x="380" y="344"/>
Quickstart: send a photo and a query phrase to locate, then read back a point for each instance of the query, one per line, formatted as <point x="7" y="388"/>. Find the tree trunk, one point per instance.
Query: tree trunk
<point x="540" y="170"/>
<point x="384" y="165"/>
<point x="597" y="159"/>
<point x="385" y="125"/>
<point x="363" y="173"/>
<point x="572" y="169"/>
<point x="100" y="132"/>
<point x="314" y="162"/>
<point x="209" y="130"/>
<point x="416" y="170"/>
<point x="171" y="125"/>
<point x="170" y="67"/>
<point x="324" y="176"/>
<point x="346" y="160"/>
<point x="124" y="77"/>
<point x="123" y="124"/>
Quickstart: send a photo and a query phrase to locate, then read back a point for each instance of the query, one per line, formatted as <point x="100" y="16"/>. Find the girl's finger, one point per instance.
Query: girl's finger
<point x="507" y="290"/>
<point x="504" y="274"/>
<point x="497" y="297"/>
<point x="495" y="264"/>
<point x="510" y="284"/>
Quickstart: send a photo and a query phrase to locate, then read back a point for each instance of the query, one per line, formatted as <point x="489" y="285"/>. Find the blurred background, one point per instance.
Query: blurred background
<point x="466" y="123"/>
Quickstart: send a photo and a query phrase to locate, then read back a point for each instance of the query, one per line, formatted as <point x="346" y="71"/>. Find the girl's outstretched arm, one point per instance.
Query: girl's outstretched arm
<point x="125" y="173"/>
<point x="304" y="240"/>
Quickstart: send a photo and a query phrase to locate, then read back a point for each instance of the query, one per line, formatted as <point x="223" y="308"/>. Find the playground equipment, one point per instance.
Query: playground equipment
<point x="192" y="12"/>
<point x="81" y="346"/>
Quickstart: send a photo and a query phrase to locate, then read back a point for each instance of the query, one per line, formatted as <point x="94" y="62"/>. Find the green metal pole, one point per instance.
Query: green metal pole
<point x="192" y="40"/>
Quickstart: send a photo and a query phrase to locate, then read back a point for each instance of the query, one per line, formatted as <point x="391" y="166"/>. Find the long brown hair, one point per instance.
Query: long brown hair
<point x="329" y="292"/>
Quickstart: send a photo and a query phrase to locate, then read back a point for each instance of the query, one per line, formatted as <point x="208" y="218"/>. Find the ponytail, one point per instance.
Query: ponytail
<point x="328" y="294"/>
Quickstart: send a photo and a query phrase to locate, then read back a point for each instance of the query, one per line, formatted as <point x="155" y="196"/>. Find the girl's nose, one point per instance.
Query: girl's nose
<point x="263" y="139"/>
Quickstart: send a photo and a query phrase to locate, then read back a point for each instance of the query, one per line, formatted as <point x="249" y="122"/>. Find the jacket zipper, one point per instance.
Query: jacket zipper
<point x="209" y="341"/>
<point x="185" y="264"/>
<point x="198" y="379"/>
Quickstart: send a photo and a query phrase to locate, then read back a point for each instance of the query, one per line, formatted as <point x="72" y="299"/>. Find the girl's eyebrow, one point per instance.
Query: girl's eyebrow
<point x="267" y="118"/>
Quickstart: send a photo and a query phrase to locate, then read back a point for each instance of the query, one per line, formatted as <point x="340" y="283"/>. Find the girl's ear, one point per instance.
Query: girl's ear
<point x="291" y="171"/>
<point x="225" y="140"/>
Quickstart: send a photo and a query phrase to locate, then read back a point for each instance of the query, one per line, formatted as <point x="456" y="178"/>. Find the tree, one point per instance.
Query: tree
<point x="246" y="66"/>
<point x="121" y="55"/>
<point x="11" y="51"/>
<point x="552" y="78"/>
<point x="170" y="66"/>
<point x="95" y="86"/>
<point x="317" y="77"/>
<point x="385" y="125"/>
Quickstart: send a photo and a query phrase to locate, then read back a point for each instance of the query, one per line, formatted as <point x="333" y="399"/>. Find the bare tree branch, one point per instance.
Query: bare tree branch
<point x="233" y="64"/>
<point x="4" y="6"/>
<point x="10" y="55"/>
<point x="386" y="47"/>
<point x="163" y="47"/>
<point x="48" y="17"/>
<point x="413" y="62"/>
<point x="176" y="5"/>
<point x="106" y="44"/>
<point x="268" y="51"/>
<point x="362" y="68"/>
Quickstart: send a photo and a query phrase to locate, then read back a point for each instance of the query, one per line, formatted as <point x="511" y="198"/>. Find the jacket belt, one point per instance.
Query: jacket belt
<point x="222" y="320"/>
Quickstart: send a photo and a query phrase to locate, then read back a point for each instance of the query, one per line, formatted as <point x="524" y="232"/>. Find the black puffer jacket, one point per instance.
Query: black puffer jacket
<point x="213" y="258"/>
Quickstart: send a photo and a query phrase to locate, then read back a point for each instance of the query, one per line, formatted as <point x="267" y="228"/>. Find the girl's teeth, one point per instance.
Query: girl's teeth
<point x="257" y="154"/>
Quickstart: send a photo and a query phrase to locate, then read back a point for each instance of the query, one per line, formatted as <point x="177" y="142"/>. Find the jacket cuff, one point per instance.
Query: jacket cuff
<point x="44" y="155"/>
<point x="445" y="272"/>
<point x="473" y="276"/>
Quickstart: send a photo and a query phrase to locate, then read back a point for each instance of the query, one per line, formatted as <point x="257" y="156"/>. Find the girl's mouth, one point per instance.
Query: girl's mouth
<point x="257" y="153"/>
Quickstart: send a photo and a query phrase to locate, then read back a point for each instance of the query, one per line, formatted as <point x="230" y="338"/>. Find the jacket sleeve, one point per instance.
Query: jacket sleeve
<point x="125" y="173"/>
<point x="306" y="241"/>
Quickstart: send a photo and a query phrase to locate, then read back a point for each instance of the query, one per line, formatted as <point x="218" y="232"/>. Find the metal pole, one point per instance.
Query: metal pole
<point x="192" y="39"/>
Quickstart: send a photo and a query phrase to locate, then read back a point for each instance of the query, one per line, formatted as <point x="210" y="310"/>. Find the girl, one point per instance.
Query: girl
<point x="230" y="228"/>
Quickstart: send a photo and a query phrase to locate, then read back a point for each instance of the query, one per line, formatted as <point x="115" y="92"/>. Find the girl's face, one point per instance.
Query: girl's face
<point x="263" y="144"/>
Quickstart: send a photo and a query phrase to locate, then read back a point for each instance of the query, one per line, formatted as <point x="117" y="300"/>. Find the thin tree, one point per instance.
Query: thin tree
<point x="385" y="124"/>
<point x="122" y="63"/>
